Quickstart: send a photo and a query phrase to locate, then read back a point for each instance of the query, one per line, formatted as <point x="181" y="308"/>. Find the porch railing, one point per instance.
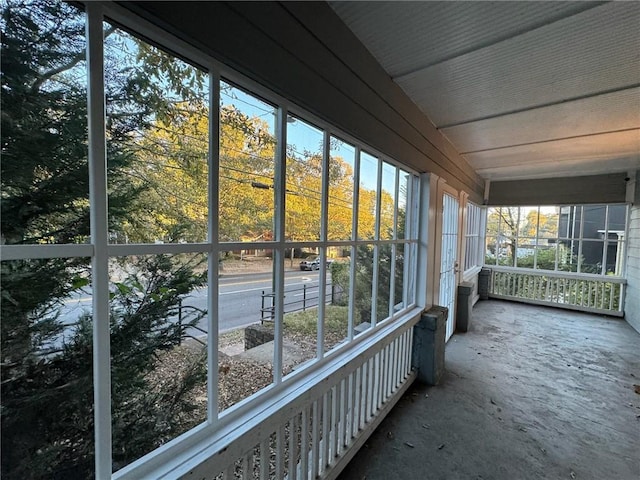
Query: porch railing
<point x="588" y="293"/>
<point x="320" y="420"/>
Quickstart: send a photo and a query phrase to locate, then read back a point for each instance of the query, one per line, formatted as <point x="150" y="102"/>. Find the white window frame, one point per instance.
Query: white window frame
<point x="474" y="235"/>
<point x="576" y="238"/>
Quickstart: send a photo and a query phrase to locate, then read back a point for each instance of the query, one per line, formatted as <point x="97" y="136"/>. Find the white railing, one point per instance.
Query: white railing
<point x="318" y="423"/>
<point x="588" y="293"/>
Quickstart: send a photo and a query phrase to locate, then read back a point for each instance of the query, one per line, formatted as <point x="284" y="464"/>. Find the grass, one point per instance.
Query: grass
<point x="306" y="322"/>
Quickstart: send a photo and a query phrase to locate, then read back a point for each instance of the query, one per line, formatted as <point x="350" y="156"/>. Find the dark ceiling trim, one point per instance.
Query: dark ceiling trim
<point x="610" y="188"/>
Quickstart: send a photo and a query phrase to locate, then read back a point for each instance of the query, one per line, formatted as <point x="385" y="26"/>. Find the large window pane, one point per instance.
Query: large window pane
<point x="158" y="358"/>
<point x="591" y="257"/>
<point x="367" y="196"/>
<point x="301" y="315"/>
<point x="44" y="169"/>
<point x="385" y="272"/>
<point x="47" y="373"/>
<point x="617" y="218"/>
<point x="303" y="180"/>
<point x="387" y="201"/>
<point x="363" y="298"/>
<point x="546" y="257"/>
<point x="593" y="221"/>
<point x="341" y="179"/>
<point x="157" y="143"/>
<point x="247" y="166"/>
<point x="245" y="326"/>
<point x="548" y="219"/>
<point x="491" y="250"/>
<point x="336" y="322"/>
<point x="402" y="228"/>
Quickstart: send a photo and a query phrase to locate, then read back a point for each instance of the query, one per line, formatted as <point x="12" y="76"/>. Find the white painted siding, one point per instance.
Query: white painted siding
<point x="632" y="302"/>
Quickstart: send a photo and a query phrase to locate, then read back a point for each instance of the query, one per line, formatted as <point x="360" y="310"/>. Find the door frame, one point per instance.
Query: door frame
<point x="442" y="188"/>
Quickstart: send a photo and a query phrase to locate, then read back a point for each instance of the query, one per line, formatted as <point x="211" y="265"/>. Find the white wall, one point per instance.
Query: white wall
<point x="632" y="302"/>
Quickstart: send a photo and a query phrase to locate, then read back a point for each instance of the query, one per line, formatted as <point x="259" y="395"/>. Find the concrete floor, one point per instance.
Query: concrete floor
<point x="529" y="393"/>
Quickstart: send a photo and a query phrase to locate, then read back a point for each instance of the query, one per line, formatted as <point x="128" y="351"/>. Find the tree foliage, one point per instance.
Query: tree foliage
<point x="158" y="144"/>
<point x="47" y="387"/>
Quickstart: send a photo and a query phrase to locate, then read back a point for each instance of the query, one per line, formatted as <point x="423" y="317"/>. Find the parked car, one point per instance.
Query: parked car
<point x="313" y="264"/>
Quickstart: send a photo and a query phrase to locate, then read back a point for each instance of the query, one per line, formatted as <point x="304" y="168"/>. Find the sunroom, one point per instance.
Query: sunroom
<point x="222" y="221"/>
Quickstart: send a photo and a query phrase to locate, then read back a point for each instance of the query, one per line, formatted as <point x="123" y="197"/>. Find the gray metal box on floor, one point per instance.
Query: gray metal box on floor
<point x="428" y="345"/>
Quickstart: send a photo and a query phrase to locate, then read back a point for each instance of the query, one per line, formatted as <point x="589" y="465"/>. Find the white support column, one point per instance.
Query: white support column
<point x="99" y="239"/>
<point x="426" y="240"/>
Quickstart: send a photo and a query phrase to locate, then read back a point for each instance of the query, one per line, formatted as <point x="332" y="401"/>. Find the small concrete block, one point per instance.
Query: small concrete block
<point x="465" y="304"/>
<point x="429" y="345"/>
<point x="363" y="327"/>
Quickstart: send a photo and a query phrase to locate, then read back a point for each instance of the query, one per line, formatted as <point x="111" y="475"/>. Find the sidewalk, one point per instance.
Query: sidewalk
<point x="252" y="265"/>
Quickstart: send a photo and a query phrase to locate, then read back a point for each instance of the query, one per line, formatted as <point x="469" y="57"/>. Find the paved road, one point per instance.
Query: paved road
<point x="240" y="299"/>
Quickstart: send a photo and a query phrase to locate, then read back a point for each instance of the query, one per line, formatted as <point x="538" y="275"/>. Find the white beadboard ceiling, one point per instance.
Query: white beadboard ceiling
<point x="522" y="89"/>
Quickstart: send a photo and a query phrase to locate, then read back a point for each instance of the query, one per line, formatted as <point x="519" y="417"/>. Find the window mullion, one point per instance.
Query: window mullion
<point x="392" y="271"/>
<point x="376" y="248"/>
<point x="322" y="285"/>
<point x="99" y="238"/>
<point x="214" y="254"/>
<point x="537" y="244"/>
<point x="580" y="240"/>
<point x="605" y="244"/>
<point x="279" y="227"/>
<point x="354" y="239"/>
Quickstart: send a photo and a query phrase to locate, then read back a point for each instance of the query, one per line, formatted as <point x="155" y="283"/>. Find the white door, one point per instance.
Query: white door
<point x="449" y="258"/>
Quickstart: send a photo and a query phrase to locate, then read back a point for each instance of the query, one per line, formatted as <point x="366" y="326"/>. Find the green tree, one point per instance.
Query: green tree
<point x="47" y="395"/>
